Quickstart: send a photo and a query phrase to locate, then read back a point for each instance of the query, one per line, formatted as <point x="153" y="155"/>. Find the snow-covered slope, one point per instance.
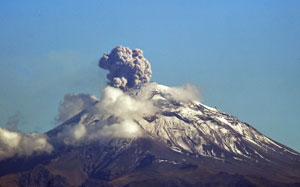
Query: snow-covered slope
<point x="190" y="127"/>
<point x="180" y="143"/>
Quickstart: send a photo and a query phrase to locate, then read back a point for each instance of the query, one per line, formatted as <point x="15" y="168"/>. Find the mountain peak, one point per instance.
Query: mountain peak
<point x="158" y="135"/>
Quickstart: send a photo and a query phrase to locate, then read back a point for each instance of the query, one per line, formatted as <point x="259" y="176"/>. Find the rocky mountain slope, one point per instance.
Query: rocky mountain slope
<point x="183" y="143"/>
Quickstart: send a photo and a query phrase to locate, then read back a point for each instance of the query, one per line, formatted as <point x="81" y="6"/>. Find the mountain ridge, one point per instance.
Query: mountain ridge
<point x="182" y="143"/>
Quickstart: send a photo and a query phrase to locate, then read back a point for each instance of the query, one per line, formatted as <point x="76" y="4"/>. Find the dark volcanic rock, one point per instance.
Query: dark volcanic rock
<point x="40" y="176"/>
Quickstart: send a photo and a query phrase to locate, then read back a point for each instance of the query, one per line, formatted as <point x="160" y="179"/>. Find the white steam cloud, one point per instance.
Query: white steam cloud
<point x="73" y="135"/>
<point x="121" y="114"/>
<point x="185" y="93"/>
<point x="123" y="106"/>
<point x="127" y="68"/>
<point x="124" y="111"/>
<point x="127" y="110"/>
<point x="14" y="143"/>
<point x="73" y="104"/>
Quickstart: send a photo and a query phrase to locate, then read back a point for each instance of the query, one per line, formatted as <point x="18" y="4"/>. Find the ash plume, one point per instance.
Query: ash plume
<point x="127" y="68"/>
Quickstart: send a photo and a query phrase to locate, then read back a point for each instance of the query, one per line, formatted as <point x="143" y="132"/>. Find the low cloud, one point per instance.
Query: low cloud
<point x="73" y="135"/>
<point x="127" y="110"/>
<point x="124" y="113"/>
<point x="15" y="143"/>
<point x="73" y="104"/>
<point x="123" y="106"/>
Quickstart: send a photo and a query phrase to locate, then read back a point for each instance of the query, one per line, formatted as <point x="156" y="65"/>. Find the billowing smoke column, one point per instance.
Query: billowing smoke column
<point x="127" y="68"/>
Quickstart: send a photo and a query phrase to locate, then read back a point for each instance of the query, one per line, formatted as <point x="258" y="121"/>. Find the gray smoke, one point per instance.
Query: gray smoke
<point x="127" y="68"/>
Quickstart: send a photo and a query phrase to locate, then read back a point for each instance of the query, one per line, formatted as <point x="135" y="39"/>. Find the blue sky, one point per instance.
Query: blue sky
<point x="243" y="55"/>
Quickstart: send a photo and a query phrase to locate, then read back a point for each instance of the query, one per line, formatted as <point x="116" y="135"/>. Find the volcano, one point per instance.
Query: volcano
<point x="184" y="143"/>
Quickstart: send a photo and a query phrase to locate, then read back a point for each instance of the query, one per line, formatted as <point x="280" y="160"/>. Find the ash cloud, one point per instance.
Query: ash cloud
<point x="73" y="104"/>
<point x="14" y="143"/>
<point x="127" y="68"/>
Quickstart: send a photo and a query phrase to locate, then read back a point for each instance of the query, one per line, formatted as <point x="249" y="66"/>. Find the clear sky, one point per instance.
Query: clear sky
<point x="243" y="55"/>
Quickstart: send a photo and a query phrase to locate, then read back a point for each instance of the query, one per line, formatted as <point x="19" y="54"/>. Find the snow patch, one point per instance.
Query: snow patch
<point x="222" y="119"/>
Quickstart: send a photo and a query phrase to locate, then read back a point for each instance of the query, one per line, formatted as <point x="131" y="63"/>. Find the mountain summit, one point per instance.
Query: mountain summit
<point x="141" y="133"/>
<point x="155" y="136"/>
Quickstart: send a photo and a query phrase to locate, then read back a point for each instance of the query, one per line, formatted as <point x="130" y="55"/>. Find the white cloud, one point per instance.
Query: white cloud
<point x="123" y="106"/>
<point x="73" y="135"/>
<point x="126" y="109"/>
<point x="126" y="112"/>
<point x="14" y="143"/>
<point x="124" y="129"/>
<point x="185" y="93"/>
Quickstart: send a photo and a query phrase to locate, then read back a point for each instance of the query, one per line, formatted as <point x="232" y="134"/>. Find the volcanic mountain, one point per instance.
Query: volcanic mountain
<point x="182" y="143"/>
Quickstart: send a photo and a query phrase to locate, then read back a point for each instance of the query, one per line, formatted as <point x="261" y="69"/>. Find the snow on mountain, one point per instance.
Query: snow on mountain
<point x="155" y="136"/>
<point x="190" y="127"/>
